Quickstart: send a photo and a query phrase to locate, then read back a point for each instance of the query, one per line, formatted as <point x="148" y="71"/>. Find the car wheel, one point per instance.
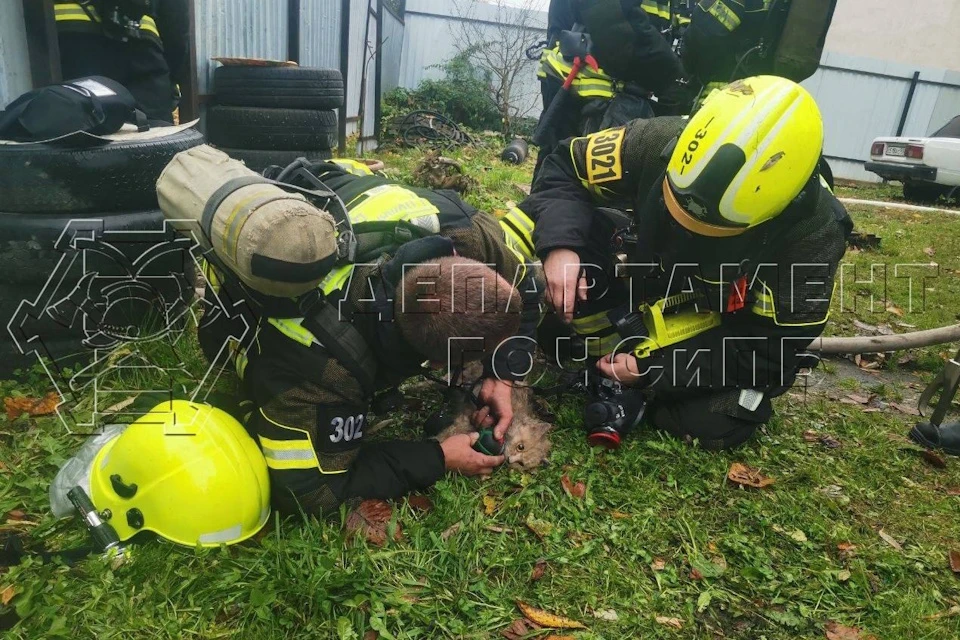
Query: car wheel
<point x="259" y="159"/>
<point x="116" y="176"/>
<point x="267" y="129"/>
<point x="278" y="87"/>
<point x="44" y="259"/>
<point x="922" y="192"/>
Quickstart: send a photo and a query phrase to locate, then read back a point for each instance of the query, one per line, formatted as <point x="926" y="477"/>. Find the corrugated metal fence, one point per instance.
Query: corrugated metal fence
<point x="862" y="99"/>
<point x="14" y="62"/>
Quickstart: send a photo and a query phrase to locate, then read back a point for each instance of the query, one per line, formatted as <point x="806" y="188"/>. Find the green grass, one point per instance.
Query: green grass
<point x="767" y="561"/>
<point x="889" y="191"/>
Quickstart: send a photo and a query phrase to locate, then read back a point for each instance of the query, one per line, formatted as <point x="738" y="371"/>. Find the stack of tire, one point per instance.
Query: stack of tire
<point x="266" y="115"/>
<point x="54" y="201"/>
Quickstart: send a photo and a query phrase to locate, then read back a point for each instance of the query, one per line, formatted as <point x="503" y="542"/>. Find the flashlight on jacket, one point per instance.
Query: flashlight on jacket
<point x="104" y="536"/>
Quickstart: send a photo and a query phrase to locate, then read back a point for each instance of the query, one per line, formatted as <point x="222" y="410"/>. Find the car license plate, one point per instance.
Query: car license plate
<point x="898" y="151"/>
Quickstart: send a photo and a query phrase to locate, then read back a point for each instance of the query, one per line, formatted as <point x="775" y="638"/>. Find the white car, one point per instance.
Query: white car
<point x="927" y="167"/>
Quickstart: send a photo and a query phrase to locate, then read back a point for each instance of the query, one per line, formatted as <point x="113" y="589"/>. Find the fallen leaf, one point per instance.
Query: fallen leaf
<point x="864" y="326"/>
<point x="859" y="398"/>
<point x="894" y="309"/>
<point x="953" y="491"/>
<point x="574" y="490"/>
<point x="949" y="613"/>
<point x="658" y="564"/>
<point x="890" y="540"/>
<point x="673" y="623"/>
<point x="955" y="561"/>
<point x="695" y="574"/>
<point x="836" y="631"/>
<point x="16" y="514"/>
<point x="547" y="619"/>
<point x="934" y="459"/>
<point x="449" y="531"/>
<point x="420" y="503"/>
<point x="811" y="435"/>
<point x="523" y="188"/>
<point x="885" y="330"/>
<point x="489" y="504"/>
<point x="830" y="442"/>
<point x="31" y="406"/>
<point x="843" y="575"/>
<point x="606" y="614"/>
<point x="371" y="635"/>
<point x="6" y="595"/>
<point x="515" y="631"/>
<point x="930" y="251"/>
<point x="796" y="534"/>
<point x="538" y="569"/>
<point x="370" y="519"/>
<point x="619" y="515"/>
<point x="495" y="529"/>
<point x="847" y="549"/>
<point x="905" y="408"/>
<point x="745" y="476"/>
<point x="906" y="326"/>
<point x="541" y="528"/>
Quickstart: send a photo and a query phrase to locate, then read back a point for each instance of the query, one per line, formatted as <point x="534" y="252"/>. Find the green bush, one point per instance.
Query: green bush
<point x="462" y="95"/>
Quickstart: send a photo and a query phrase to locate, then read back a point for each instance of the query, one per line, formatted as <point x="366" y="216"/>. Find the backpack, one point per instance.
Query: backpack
<point x="801" y="27"/>
<point x="93" y="104"/>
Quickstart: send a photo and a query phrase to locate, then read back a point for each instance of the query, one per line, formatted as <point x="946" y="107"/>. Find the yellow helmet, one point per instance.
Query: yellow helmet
<point x="745" y="155"/>
<point x="185" y="471"/>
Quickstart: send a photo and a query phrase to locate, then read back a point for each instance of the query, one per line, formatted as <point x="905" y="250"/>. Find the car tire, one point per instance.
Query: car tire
<point x="30" y="260"/>
<point x="258" y="159"/>
<point x="116" y="176"/>
<point x="270" y="129"/>
<point x="924" y="192"/>
<point x="278" y="87"/>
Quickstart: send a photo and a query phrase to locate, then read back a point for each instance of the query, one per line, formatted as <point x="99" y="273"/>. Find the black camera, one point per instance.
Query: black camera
<point x="612" y="411"/>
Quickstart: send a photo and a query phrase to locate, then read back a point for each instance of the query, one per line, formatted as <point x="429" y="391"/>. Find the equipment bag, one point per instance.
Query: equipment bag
<point x="93" y="104"/>
<point x="801" y="36"/>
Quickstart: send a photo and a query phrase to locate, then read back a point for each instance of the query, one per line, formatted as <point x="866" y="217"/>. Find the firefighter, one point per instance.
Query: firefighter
<point x="730" y="275"/>
<point x="142" y="44"/>
<point x="631" y="44"/>
<point x="461" y="292"/>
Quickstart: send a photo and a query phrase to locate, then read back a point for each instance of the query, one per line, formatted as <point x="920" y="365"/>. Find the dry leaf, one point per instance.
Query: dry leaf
<point x="420" y="503"/>
<point x="609" y="615"/>
<point x="955" y="562"/>
<point x="930" y="251"/>
<point x="449" y="531"/>
<point x="495" y="529"/>
<point x="846" y="549"/>
<point x="16" y="514"/>
<point x="864" y="326"/>
<point x="934" y="459"/>
<point x="31" y="406"/>
<point x="673" y="623"/>
<point x="811" y="436"/>
<point x="538" y="569"/>
<point x="836" y="631"/>
<point x="949" y="613"/>
<point x="890" y="540"/>
<point x="859" y="398"/>
<point x="830" y="442"/>
<point x="6" y="595"/>
<point x="745" y="476"/>
<point x="515" y="631"/>
<point x="489" y="504"/>
<point x="619" y="515"/>
<point x="577" y="490"/>
<point x="370" y="519"/>
<point x="658" y="564"/>
<point x="696" y="575"/>
<point x="371" y="635"/>
<point x="905" y="408"/>
<point x="541" y="528"/>
<point x="953" y="491"/>
<point x="894" y="309"/>
<point x="547" y="619"/>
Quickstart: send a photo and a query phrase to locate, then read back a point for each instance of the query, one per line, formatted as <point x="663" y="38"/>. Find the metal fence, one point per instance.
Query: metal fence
<point x="863" y="98"/>
<point x="14" y="62"/>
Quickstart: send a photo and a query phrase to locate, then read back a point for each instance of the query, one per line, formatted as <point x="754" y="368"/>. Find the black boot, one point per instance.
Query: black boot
<point x="946" y="437"/>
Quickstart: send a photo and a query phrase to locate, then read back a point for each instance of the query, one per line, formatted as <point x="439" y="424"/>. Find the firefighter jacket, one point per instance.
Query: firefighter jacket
<point x="312" y="415"/>
<point x="720" y="33"/>
<point x="745" y="306"/>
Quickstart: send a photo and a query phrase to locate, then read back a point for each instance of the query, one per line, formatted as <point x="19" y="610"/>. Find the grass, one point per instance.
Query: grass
<point x="659" y="531"/>
<point x="887" y="191"/>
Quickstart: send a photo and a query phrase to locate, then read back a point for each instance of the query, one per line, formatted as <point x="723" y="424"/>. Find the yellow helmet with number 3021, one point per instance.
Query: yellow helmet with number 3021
<point x="188" y="472"/>
<point x="744" y="156"/>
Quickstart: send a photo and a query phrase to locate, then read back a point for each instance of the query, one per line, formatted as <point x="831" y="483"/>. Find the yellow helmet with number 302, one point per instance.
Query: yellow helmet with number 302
<point x="188" y="472"/>
<point x="744" y="156"/>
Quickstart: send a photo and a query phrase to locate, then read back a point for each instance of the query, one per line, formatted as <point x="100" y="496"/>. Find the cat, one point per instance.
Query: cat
<point x="526" y="444"/>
